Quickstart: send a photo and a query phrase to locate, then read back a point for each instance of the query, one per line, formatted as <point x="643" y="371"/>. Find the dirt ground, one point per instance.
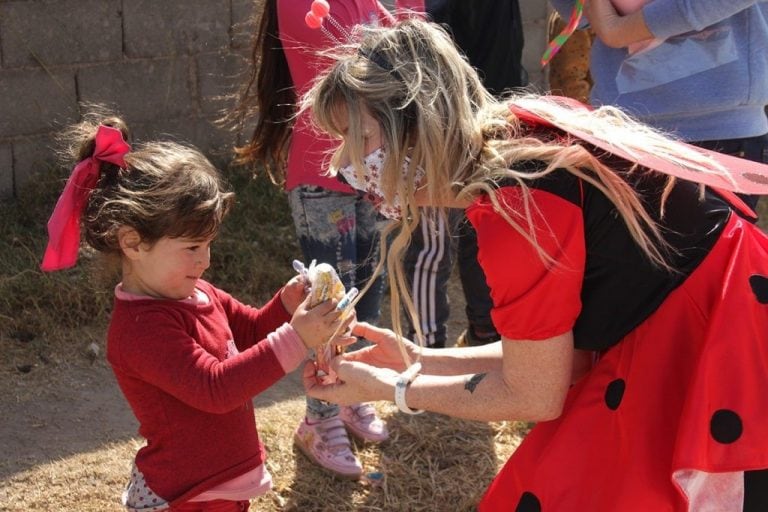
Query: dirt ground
<point x="65" y="428"/>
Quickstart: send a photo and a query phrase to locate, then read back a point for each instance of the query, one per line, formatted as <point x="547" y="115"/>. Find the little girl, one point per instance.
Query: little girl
<point x="188" y="356"/>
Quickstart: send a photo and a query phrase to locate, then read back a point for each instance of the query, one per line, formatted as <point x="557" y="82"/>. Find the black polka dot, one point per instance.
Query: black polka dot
<point x="725" y="426"/>
<point x="614" y="393"/>
<point x="528" y="503"/>
<point x="759" y="286"/>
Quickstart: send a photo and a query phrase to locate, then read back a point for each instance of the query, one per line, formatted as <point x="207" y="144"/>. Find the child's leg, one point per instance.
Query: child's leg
<point x="327" y="227"/>
<point x="427" y="265"/>
<point x="367" y="251"/>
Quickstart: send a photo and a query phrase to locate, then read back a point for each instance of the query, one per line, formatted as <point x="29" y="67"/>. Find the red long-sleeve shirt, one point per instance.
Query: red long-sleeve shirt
<point x="189" y="372"/>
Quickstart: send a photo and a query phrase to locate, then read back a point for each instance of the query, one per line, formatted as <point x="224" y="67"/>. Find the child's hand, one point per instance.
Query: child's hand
<point x="315" y="326"/>
<point x="345" y="336"/>
<point x="294" y="292"/>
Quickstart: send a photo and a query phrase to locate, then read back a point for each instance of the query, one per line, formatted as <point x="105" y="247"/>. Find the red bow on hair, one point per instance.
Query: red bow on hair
<point x="64" y="224"/>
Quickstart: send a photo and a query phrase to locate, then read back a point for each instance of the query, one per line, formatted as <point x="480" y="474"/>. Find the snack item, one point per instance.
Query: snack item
<point x="325" y="284"/>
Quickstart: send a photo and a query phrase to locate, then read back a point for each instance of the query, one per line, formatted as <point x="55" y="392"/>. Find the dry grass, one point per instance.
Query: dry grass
<point x="89" y="481"/>
<point x="430" y="461"/>
<point x="68" y="438"/>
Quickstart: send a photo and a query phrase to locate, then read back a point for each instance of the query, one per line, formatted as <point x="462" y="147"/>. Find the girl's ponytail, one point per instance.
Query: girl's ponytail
<point x="269" y="97"/>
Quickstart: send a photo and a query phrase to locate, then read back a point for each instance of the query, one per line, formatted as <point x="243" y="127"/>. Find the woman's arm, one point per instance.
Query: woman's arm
<point x="462" y="360"/>
<point x="386" y="351"/>
<point x="530" y="383"/>
<point x="657" y="19"/>
<point x="667" y="18"/>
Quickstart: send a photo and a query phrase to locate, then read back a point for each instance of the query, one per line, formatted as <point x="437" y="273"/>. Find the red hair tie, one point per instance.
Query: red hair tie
<point x="64" y="224"/>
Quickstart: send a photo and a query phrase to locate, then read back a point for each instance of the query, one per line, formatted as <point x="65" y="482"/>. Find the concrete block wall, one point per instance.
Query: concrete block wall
<point x="163" y="64"/>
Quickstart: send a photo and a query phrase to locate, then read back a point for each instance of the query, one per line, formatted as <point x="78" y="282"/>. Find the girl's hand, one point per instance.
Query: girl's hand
<point x="345" y="336"/>
<point x="385" y="349"/>
<point x="294" y="292"/>
<point x="315" y="326"/>
<point x="356" y="382"/>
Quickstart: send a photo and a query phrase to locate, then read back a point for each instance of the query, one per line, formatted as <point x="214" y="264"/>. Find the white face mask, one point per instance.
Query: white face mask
<point x="373" y="164"/>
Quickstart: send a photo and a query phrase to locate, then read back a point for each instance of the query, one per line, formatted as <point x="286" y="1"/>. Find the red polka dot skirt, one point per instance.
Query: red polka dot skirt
<point x="671" y="417"/>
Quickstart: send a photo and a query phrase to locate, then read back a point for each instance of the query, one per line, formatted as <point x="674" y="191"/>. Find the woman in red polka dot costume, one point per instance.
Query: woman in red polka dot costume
<point x="632" y="305"/>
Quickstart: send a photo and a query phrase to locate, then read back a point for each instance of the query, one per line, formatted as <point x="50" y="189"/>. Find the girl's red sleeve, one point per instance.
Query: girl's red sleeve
<point x="249" y="324"/>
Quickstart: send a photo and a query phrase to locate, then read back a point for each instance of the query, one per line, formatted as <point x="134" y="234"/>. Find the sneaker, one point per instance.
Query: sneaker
<point x="363" y="423"/>
<point x="468" y="338"/>
<point x="326" y="443"/>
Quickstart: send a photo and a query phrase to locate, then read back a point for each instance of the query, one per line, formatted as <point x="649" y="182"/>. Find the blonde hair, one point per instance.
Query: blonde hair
<point x="433" y="109"/>
<point x="166" y="189"/>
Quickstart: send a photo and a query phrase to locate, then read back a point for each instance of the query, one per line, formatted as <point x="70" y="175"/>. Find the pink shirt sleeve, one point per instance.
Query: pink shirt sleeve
<point x="287" y="346"/>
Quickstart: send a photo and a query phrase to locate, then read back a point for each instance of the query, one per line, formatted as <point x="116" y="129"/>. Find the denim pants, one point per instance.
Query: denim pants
<point x="340" y="229"/>
<point x="428" y="264"/>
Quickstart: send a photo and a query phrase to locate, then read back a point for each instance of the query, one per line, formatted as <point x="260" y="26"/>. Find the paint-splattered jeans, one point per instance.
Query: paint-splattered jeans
<point x="339" y="229"/>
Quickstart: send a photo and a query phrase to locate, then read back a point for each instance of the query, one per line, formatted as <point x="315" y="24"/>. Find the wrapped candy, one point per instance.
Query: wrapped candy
<point x="325" y="284"/>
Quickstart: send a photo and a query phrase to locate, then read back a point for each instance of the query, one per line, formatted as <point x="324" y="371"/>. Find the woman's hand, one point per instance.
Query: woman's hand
<point x="385" y="351"/>
<point x="315" y="326"/>
<point x="363" y="375"/>
<point x="356" y="382"/>
<point x="293" y="293"/>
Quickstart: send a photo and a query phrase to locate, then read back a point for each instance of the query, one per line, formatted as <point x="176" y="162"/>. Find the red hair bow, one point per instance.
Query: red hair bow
<point x="64" y="224"/>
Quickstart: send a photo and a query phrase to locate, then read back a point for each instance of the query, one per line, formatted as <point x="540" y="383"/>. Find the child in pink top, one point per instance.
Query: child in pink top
<point x="188" y="356"/>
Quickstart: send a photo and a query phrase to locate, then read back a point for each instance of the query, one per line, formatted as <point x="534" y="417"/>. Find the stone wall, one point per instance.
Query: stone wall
<point x="163" y="64"/>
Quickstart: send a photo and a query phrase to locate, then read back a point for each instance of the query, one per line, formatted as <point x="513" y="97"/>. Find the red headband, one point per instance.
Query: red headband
<point x="64" y="224"/>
